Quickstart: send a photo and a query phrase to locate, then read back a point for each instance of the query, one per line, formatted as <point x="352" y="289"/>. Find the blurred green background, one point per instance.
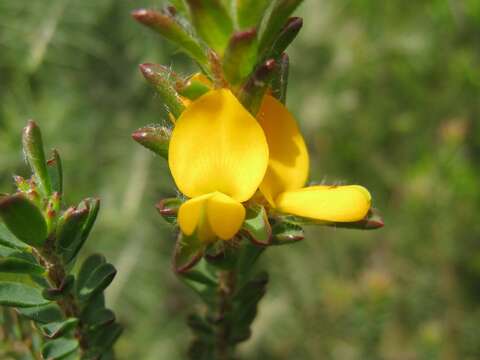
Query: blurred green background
<point x="388" y="96"/>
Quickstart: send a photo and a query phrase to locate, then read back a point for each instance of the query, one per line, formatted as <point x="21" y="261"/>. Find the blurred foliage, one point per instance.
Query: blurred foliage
<point x="387" y="95"/>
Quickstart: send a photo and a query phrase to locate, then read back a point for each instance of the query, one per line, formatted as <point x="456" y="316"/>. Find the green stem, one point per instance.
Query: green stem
<point x="56" y="276"/>
<point x="223" y="348"/>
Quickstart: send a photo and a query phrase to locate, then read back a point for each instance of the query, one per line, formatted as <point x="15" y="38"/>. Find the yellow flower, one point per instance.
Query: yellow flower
<point x="218" y="156"/>
<point x="288" y="171"/>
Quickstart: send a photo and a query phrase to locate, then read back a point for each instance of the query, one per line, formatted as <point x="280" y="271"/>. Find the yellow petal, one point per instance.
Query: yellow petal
<point x="288" y="164"/>
<point x="211" y="215"/>
<point x="328" y="203"/>
<point x="217" y="145"/>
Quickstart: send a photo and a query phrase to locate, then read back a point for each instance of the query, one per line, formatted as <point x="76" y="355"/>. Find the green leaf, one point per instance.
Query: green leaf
<point x="43" y="314"/>
<point x="20" y="295"/>
<point x="257" y="226"/>
<point x="199" y="326"/>
<point x="103" y="338"/>
<point x="188" y="251"/>
<point x="56" y="329"/>
<point x="193" y="89"/>
<point x="154" y="138"/>
<point x="69" y="230"/>
<point x="201" y="280"/>
<point x="285" y="37"/>
<point x="63" y="290"/>
<point x="33" y="149"/>
<point x="88" y="266"/>
<point x="9" y="240"/>
<point x="168" y="209"/>
<point x="250" y="12"/>
<point x="256" y="86"/>
<point x="277" y="19"/>
<point x="372" y="221"/>
<point x="98" y="281"/>
<point x="20" y="266"/>
<point x="54" y="167"/>
<point x="93" y="206"/>
<point x="240" y="56"/>
<point x="176" y="32"/>
<point x="23" y="219"/>
<point x="286" y="233"/>
<point x="280" y="79"/>
<point x="212" y="22"/>
<point x="162" y="79"/>
<point x="98" y="317"/>
<point x="59" y="348"/>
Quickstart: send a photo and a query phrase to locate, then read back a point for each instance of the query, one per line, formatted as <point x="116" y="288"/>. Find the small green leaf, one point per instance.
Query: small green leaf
<point x="54" y="167"/>
<point x="33" y="149"/>
<point x="59" y="348"/>
<point x="93" y="207"/>
<point x="162" y="79"/>
<point x="252" y="92"/>
<point x="372" y="221"/>
<point x="277" y="19"/>
<point x="188" y="251"/>
<point x="240" y="56"/>
<point x="9" y="240"/>
<point x="20" y="266"/>
<point x="43" y="314"/>
<point x="98" y="317"/>
<point x="257" y="226"/>
<point x="280" y="79"/>
<point x="154" y="138"/>
<point x="199" y="326"/>
<point x="285" y="37"/>
<point x="20" y="295"/>
<point x="168" y="209"/>
<point x="174" y="31"/>
<point x="212" y="22"/>
<point x="69" y="230"/>
<point x="23" y="219"/>
<point x="88" y="266"/>
<point x="56" y="329"/>
<point x="250" y="12"/>
<point x="286" y="233"/>
<point x="193" y="89"/>
<point x="103" y="338"/>
<point x="98" y="281"/>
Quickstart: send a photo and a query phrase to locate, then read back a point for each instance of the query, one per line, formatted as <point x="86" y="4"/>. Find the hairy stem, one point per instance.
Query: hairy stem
<point x="223" y="348"/>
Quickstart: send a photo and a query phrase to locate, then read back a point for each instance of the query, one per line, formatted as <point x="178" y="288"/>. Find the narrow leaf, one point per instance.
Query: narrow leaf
<point x="93" y="206"/>
<point x="59" y="348"/>
<point x="285" y="37"/>
<point x="9" y="240"/>
<point x="280" y="79"/>
<point x="43" y="314"/>
<point x="88" y="266"/>
<point x="212" y="22"/>
<point x="56" y="329"/>
<point x="277" y="18"/>
<point x="256" y="86"/>
<point x="23" y="219"/>
<point x="98" y="281"/>
<point x="154" y="138"/>
<point x="19" y="266"/>
<point x="20" y="295"/>
<point x="240" y="56"/>
<point x="55" y="171"/>
<point x="160" y="77"/>
<point x="250" y="12"/>
<point x="170" y="28"/>
<point x="33" y="149"/>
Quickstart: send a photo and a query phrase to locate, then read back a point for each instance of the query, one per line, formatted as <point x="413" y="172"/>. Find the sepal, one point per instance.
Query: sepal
<point x="188" y="252"/>
<point x="257" y="226"/>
